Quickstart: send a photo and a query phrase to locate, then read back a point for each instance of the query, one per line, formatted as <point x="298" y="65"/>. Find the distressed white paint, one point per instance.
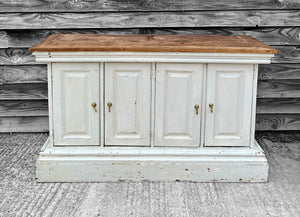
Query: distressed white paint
<point x="229" y="89"/>
<point x="153" y="91"/>
<point x="50" y="101"/>
<point x="101" y="105"/>
<point x="152" y="164"/>
<point x="203" y="104"/>
<point x="134" y="57"/>
<point x="178" y="90"/>
<point x="253" y="112"/>
<point x="75" y="88"/>
<point x="151" y="79"/>
<point x="128" y="88"/>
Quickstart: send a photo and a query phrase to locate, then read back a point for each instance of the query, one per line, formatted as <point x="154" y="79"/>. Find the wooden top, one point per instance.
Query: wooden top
<point x="152" y="43"/>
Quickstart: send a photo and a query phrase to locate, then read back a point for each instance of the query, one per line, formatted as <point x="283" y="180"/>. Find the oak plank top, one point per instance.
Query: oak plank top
<point x="152" y="43"/>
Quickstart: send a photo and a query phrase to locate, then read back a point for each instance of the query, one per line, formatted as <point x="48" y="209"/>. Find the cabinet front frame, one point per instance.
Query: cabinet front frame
<point x="153" y="79"/>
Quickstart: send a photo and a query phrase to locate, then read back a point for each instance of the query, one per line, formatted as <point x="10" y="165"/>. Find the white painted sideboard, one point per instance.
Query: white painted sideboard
<point x="157" y="116"/>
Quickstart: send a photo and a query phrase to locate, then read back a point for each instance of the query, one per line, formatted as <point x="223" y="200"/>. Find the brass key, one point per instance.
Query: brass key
<point x="211" y="107"/>
<point x="109" y="104"/>
<point x="94" y="106"/>
<point x="197" y="108"/>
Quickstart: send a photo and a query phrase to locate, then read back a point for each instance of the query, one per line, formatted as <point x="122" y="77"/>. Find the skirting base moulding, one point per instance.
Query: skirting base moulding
<point x="152" y="108"/>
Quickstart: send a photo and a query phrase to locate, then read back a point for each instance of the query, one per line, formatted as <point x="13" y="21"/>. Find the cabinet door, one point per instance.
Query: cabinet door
<point x="229" y="90"/>
<point x="75" y="88"/>
<point x="178" y="91"/>
<point x="128" y="89"/>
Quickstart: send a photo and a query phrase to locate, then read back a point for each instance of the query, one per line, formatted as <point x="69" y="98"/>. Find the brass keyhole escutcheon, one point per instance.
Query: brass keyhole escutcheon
<point x="197" y="108"/>
<point x="211" y="106"/>
<point x="109" y="104"/>
<point x="94" y="106"/>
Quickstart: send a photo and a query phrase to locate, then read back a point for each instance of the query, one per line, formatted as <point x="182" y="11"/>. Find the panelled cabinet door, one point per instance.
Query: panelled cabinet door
<point x="228" y="104"/>
<point x="178" y="104"/>
<point x="75" y="89"/>
<point x="127" y="104"/>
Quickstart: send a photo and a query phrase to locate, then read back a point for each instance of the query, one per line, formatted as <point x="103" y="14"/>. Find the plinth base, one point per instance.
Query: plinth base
<point x="113" y="164"/>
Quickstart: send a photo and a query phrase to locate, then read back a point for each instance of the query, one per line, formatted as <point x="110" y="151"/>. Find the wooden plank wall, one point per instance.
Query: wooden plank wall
<point x="23" y="82"/>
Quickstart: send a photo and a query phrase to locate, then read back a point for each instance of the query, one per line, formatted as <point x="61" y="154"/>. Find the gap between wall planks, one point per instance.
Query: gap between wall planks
<point x="23" y="88"/>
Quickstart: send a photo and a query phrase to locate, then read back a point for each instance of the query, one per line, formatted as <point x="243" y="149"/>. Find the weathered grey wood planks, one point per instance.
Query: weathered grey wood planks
<point x="13" y="74"/>
<point x="23" y="91"/>
<point x="279" y="71"/>
<point x="287" y="54"/>
<point x="278" y="122"/>
<point x="278" y="106"/>
<point x="24" y="124"/>
<point x="138" y="5"/>
<point x="11" y="108"/>
<point x="23" y="87"/>
<point x="16" y="56"/>
<point x="253" y="18"/>
<point x="280" y="88"/>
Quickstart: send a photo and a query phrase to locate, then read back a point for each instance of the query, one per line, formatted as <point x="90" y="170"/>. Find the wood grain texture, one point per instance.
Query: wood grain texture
<point x="23" y="91"/>
<point x="16" y="56"/>
<point x="277" y="122"/>
<point x="278" y="88"/>
<point x="274" y="26"/>
<point x="152" y="43"/>
<point x="23" y="74"/>
<point x="287" y="54"/>
<point x="270" y="36"/>
<point x="279" y="71"/>
<point x="255" y="18"/>
<point x="23" y="108"/>
<point x="137" y="5"/>
<point x="278" y="106"/>
<point x="23" y="124"/>
<point x="3" y="39"/>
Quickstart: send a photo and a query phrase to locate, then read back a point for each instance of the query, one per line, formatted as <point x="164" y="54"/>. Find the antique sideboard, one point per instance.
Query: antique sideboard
<point x="152" y="107"/>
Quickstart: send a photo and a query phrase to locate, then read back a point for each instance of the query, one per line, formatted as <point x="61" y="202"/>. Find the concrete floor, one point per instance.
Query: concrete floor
<point x="20" y="195"/>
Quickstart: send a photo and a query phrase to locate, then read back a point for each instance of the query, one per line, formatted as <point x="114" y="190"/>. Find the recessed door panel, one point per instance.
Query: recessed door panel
<point x="127" y="98"/>
<point x="178" y="104"/>
<point x="75" y="89"/>
<point x="228" y="107"/>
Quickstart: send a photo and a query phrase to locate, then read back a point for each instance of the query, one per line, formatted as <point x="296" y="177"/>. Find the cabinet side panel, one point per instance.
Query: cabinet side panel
<point x="50" y="102"/>
<point x="75" y="89"/>
<point x="229" y="91"/>
<point x="253" y="112"/>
